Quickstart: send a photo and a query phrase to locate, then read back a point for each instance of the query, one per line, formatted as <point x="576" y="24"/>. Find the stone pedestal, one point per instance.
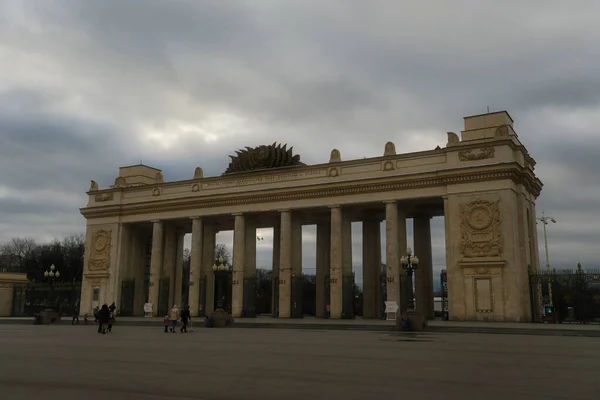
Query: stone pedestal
<point x="48" y="317"/>
<point x="221" y="318"/>
<point x="416" y="321"/>
<point x="8" y="281"/>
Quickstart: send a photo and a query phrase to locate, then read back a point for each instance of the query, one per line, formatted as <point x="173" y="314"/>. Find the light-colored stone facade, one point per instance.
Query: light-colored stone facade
<point x="8" y="281"/>
<point x="482" y="182"/>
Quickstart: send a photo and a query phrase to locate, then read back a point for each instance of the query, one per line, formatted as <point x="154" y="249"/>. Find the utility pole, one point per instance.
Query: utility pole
<point x="545" y="220"/>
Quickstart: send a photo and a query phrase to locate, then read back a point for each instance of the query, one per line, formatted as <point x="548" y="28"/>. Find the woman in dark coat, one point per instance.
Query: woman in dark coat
<point x="103" y="317"/>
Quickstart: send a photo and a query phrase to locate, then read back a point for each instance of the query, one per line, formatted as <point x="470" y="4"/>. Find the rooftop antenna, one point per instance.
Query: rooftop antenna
<point x="488" y="109"/>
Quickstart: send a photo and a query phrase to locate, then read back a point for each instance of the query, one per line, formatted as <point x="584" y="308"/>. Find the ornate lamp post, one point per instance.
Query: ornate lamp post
<point x="545" y="221"/>
<point x="410" y="263"/>
<point x="52" y="274"/>
<point x="217" y="267"/>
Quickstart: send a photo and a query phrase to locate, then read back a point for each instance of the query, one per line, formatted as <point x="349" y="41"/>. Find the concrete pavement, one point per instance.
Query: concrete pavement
<point x="373" y="325"/>
<point x="65" y="362"/>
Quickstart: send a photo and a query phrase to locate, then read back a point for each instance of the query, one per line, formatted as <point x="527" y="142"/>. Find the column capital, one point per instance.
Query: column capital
<point x="196" y="217"/>
<point x="334" y="206"/>
<point x="390" y="202"/>
<point x="155" y="221"/>
<point x="237" y="214"/>
<point x="282" y="210"/>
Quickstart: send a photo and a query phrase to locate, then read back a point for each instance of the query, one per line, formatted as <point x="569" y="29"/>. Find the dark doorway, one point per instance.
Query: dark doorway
<point x="127" y="298"/>
<point x="264" y="292"/>
<point x="163" y="297"/>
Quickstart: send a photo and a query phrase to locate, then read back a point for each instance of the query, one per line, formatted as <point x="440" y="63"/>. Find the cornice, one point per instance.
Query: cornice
<point x="511" y="171"/>
<point x="342" y="164"/>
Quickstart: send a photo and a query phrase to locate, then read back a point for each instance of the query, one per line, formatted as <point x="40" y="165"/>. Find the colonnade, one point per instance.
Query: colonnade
<point x="333" y="262"/>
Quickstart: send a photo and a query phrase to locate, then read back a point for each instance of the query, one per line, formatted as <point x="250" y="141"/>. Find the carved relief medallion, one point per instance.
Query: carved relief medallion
<point x="100" y="250"/>
<point x="480" y="226"/>
<point x="474" y="155"/>
<point x="103" y="197"/>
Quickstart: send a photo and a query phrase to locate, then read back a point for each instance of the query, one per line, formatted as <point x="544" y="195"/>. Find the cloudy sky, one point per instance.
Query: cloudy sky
<point x="88" y="86"/>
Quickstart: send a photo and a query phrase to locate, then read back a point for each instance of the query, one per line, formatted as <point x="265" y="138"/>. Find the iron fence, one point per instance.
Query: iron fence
<point x="565" y="296"/>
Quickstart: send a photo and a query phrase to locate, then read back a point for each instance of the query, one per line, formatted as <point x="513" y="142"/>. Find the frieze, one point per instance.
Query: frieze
<point x="266" y="179"/>
<point x="474" y="155"/>
<point x="100" y="250"/>
<point x="480" y="226"/>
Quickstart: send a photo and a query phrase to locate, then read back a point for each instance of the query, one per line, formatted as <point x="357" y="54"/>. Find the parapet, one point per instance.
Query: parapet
<point x="140" y="174"/>
<point x="487" y="126"/>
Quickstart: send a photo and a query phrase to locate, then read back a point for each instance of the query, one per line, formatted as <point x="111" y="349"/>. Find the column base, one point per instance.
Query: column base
<point x="414" y="321"/>
<point x="220" y="318"/>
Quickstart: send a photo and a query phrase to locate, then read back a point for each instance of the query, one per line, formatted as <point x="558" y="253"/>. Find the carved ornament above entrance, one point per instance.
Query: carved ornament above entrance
<point x="480" y="227"/>
<point x="263" y="157"/>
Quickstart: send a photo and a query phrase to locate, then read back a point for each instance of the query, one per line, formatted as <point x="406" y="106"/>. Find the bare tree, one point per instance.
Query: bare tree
<point x="221" y="251"/>
<point x="16" y="251"/>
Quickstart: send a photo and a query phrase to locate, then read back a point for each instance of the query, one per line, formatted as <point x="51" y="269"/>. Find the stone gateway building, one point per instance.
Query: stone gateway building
<point x="482" y="182"/>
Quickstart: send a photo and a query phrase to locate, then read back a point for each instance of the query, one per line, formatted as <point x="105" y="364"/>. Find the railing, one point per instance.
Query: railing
<point x="565" y="296"/>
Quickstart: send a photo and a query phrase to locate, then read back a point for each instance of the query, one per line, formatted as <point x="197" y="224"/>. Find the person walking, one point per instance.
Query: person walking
<point x="185" y="317"/>
<point x="166" y="322"/>
<point x="173" y="316"/>
<point x="111" y="316"/>
<point x="103" y="316"/>
<point x="75" y="320"/>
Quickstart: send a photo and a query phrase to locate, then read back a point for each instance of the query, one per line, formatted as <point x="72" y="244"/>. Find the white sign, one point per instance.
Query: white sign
<point x="148" y="308"/>
<point x="391" y="308"/>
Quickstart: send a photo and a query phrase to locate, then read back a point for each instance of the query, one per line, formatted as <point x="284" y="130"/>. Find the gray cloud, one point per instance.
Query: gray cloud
<point x="90" y="86"/>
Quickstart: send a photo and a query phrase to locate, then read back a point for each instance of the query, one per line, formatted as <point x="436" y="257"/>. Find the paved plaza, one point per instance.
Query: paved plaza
<point x="73" y="362"/>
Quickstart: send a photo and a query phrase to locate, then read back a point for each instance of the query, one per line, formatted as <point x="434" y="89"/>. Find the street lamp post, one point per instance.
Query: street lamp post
<point x="52" y="274"/>
<point x="545" y="220"/>
<point x="410" y="263"/>
<point x="219" y="266"/>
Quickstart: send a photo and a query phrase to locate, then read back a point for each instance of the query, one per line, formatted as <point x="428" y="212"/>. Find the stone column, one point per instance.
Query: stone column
<point x="249" y="282"/>
<point x="239" y="249"/>
<point x="179" y="269"/>
<point x="138" y="263"/>
<point x="323" y="254"/>
<point x="347" y="274"/>
<point x="371" y="267"/>
<point x="155" y="264"/>
<point x="208" y="259"/>
<point x="122" y="270"/>
<point x="275" y="266"/>
<point x="424" y="274"/>
<point x="169" y="254"/>
<point x="392" y="252"/>
<point x="195" y="265"/>
<point x="336" y="264"/>
<point x="296" y="278"/>
<point x="285" y="264"/>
